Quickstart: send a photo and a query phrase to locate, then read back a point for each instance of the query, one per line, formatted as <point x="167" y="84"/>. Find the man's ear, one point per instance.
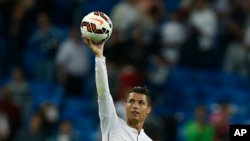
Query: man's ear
<point x="125" y="104"/>
<point x="149" y="109"/>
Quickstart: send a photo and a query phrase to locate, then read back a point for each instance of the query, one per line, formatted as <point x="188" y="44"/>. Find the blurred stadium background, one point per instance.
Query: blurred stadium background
<point x="190" y="53"/>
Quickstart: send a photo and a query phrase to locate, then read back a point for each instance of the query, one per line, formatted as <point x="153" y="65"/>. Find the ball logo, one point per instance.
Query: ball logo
<point x="98" y="20"/>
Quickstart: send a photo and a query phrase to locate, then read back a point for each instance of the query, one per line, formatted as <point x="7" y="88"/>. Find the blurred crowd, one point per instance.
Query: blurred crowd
<point x="45" y="68"/>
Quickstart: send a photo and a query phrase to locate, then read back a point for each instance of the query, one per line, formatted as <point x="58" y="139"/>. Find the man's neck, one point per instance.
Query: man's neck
<point x="135" y="124"/>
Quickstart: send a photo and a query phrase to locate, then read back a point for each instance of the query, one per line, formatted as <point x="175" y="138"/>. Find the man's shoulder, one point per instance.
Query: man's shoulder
<point x="146" y="137"/>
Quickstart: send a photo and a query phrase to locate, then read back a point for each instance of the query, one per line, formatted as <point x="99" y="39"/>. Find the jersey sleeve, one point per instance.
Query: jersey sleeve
<point x="107" y="113"/>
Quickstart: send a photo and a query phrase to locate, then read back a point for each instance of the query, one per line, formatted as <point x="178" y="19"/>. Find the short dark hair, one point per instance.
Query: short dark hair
<point x="142" y="90"/>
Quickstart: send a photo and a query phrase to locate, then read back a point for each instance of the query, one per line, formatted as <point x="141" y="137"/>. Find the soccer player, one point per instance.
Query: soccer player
<point x="137" y="105"/>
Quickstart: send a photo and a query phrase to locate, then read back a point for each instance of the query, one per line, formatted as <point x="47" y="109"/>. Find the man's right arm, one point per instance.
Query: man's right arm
<point x="107" y="112"/>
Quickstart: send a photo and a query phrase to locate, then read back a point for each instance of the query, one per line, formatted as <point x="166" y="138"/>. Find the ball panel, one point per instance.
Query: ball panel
<point x="98" y="31"/>
<point x="89" y="28"/>
<point x="93" y="27"/>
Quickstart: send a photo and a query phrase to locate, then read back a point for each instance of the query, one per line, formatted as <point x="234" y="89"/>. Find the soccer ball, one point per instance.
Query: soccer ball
<point x="96" y="26"/>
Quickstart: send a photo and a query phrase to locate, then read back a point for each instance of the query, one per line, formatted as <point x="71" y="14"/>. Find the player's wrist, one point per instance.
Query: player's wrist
<point x="99" y="55"/>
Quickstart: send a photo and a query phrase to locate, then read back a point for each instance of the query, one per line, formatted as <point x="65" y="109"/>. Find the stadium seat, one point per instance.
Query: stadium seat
<point x="232" y="95"/>
<point x="84" y="123"/>
<point x="64" y="32"/>
<point x="30" y="60"/>
<point x="188" y="92"/>
<point x="57" y="95"/>
<point x="172" y="5"/>
<point x="206" y="77"/>
<point x="234" y="80"/>
<point x="180" y="76"/>
<point x="209" y="93"/>
<point x="77" y="107"/>
<point x="38" y="87"/>
<point x="239" y="119"/>
<point x="41" y="92"/>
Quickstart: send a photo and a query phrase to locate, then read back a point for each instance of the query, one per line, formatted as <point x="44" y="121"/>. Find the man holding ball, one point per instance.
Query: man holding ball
<point x="137" y="105"/>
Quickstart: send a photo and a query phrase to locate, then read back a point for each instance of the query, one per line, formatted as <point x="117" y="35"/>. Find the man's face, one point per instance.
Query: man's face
<point x="137" y="107"/>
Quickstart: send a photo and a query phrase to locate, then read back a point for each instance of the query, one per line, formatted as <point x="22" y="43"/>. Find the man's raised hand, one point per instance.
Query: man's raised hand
<point x="96" y="48"/>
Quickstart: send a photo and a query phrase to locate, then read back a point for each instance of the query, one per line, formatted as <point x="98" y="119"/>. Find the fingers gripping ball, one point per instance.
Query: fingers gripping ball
<point x="96" y="26"/>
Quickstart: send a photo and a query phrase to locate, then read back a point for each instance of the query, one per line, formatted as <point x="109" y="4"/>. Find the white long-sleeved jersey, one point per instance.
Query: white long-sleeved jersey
<point x="113" y="128"/>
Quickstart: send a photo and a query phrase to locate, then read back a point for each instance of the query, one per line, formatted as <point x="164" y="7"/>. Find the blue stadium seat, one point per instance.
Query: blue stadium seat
<point x="180" y="76"/>
<point x="39" y="87"/>
<point x="41" y="92"/>
<point x="206" y="77"/>
<point x="234" y="80"/>
<point x="212" y="96"/>
<point x="239" y="119"/>
<point x="84" y="123"/>
<point x="77" y="107"/>
<point x="57" y="97"/>
<point x="66" y="114"/>
<point x="163" y="110"/>
<point x="236" y="96"/>
<point x="64" y="32"/>
<point x="30" y="60"/>
<point x="89" y="87"/>
<point x="172" y="5"/>
<point x="188" y="92"/>
<point x="104" y="6"/>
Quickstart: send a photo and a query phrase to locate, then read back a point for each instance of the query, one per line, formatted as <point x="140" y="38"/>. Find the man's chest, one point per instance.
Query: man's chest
<point x="124" y="134"/>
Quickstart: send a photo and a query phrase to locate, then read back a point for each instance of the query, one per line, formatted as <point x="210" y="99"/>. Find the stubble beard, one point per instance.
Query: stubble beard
<point x="133" y="121"/>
